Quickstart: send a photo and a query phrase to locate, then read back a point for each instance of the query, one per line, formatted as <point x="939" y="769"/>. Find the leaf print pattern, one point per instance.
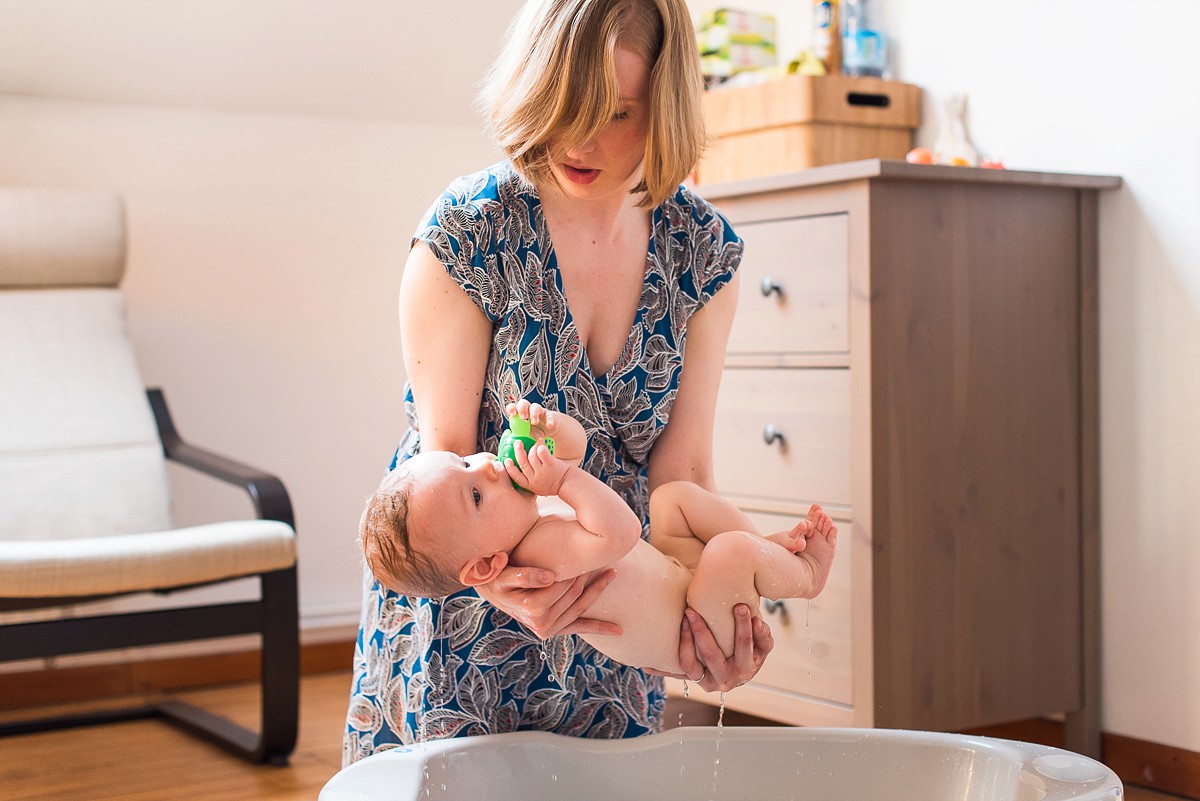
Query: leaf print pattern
<point x="533" y="370"/>
<point x="452" y="667"/>
<point x="497" y="647"/>
<point x="464" y="619"/>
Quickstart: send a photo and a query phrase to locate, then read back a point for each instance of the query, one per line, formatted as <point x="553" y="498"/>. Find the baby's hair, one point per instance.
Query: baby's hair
<point x="387" y="545"/>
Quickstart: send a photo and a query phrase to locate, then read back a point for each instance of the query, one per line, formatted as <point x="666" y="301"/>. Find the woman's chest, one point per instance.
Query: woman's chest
<point x="602" y="290"/>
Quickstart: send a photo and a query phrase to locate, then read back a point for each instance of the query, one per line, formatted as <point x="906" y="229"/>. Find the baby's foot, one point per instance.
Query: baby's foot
<point x="796" y="539"/>
<point x="822" y="542"/>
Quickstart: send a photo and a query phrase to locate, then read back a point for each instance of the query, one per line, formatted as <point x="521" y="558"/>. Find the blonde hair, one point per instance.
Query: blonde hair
<point x="556" y="79"/>
<point x="387" y="547"/>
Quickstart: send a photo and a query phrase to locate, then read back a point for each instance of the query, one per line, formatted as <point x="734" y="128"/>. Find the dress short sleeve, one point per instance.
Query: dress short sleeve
<point x="700" y="247"/>
<point x="459" y="229"/>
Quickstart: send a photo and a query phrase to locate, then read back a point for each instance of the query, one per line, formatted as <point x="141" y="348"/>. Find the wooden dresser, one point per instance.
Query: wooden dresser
<point x="915" y="348"/>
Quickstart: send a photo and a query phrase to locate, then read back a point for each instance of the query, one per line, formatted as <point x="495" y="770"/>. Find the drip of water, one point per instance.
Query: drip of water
<point x="717" y="747"/>
<point x="679" y="724"/>
<point x="808" y="633"/>
<point x="422" y="712"/>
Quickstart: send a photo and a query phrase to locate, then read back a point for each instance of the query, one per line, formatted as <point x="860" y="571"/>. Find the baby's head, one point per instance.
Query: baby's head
<point x="387" y="542"/>
<point x="441" y="522"/>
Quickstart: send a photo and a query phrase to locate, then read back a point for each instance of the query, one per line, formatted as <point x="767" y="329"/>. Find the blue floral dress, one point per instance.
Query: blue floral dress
<point x="457" y="666"/>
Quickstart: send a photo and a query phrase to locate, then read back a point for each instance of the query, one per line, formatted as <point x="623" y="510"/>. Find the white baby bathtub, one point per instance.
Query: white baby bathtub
<point x="732" y="764"/>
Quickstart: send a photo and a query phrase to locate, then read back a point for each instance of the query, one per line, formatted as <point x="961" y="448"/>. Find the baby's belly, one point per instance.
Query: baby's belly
<point x="646" y="599"/>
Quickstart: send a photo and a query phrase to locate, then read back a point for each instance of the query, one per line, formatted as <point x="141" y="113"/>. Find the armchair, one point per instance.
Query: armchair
<point x="84" y="495"/>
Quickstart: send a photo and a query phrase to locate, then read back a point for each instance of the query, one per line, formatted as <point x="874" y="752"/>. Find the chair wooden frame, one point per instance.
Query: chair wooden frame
<point x="274" y="617"/>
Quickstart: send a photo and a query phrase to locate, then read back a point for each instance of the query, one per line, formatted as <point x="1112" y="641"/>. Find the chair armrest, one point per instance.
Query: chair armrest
<point x="270" y="497"/>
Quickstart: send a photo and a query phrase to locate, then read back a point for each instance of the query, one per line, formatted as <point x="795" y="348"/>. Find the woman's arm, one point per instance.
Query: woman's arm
<point x="447" y="340"/>
<point x="684" y="452"/>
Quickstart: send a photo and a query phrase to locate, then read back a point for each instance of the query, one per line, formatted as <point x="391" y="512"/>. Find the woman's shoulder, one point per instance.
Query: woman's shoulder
<point x="485" y="190"/>
<point x="688" y="215"/>
<point x="476" y="206"/>
<point x="688" y="210"/>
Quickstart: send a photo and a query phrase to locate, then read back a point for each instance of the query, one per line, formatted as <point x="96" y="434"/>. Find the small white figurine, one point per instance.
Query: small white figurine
<point x="953" y="147"/>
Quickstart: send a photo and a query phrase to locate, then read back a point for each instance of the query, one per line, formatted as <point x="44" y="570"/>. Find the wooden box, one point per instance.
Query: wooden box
<point x="804" y="121"/>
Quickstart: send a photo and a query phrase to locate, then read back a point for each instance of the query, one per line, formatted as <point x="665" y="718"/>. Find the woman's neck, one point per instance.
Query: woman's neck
<point x="604" y="218"/>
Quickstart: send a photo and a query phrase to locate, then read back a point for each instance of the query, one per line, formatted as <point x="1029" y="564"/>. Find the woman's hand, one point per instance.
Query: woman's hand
<point x="548" y="607"/>
<point x="705" y="663"/>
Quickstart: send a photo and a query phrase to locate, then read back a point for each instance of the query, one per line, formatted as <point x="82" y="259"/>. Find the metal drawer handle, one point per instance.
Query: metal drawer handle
<point x="769" y="285"/>
<point x="773" y="607"/>
<point x="772" y="435"/>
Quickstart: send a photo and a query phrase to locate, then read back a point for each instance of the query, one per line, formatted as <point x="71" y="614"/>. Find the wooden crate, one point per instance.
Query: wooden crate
<point x="803" y="121"/>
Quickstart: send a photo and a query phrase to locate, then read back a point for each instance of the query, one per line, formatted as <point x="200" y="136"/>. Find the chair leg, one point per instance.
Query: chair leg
<point x="275" y="617"/>
<point x="280" y="665"/>
<point x="279" y="689"/>
<point x="99" y="717"/>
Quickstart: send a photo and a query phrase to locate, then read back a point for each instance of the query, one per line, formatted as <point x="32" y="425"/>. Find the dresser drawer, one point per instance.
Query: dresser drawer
<point x="813" y="638"/>
<point x="794" y="294"/>
<point x="808" y="411"/>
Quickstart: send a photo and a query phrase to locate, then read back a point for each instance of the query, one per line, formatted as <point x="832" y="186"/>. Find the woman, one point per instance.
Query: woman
<point x="572" y="275"/>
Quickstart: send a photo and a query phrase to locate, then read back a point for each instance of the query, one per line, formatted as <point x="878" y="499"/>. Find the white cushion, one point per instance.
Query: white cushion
<point x="93" y="493"/>
<point x="138" y="562"/>
<point x="76" y="430"/>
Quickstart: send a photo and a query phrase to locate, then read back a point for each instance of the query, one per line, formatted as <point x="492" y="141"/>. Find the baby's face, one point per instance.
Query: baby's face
<point x="466" y="507"/>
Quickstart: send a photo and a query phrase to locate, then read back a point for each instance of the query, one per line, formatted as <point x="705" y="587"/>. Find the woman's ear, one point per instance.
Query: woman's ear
<point x="483" y="570"/>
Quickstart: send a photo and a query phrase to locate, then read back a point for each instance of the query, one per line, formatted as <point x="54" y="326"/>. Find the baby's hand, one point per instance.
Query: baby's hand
<point x="544" y="422"/>
<point x="538" y="471"/>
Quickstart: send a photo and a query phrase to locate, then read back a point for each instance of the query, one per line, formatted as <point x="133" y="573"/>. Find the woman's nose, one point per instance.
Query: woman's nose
<point x="581" y="151"/>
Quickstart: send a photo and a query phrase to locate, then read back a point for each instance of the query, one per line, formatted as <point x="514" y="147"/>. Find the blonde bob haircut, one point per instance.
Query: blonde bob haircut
<point x="555" y="81"/>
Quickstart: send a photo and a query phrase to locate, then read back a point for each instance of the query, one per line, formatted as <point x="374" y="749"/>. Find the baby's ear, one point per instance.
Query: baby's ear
<point x="483" y="570"/>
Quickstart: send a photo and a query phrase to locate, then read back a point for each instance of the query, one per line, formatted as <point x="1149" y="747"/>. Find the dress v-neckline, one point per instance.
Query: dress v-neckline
<point x="550" y="259"/>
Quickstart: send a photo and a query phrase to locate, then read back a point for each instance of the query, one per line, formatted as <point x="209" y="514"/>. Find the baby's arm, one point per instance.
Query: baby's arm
<point x="604" y="528"/>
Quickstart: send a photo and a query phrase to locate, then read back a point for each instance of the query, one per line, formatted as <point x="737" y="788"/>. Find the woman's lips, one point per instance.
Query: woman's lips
<point x="580" y="175"/>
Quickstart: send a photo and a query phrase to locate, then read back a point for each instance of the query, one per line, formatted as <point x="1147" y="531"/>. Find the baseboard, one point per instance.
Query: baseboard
<point x="95" y="682"/>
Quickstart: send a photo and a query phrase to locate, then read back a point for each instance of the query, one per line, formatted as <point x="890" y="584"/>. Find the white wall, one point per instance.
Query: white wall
<point x="1098" y="86"/>
<point x="275" y="156"/>
<point x="276" y="153"/>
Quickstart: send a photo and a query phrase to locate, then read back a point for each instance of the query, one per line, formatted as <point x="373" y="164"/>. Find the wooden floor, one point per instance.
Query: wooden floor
<point x="150" y="760"/>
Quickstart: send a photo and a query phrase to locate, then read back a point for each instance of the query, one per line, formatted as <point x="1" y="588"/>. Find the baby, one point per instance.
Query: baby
<point x="440" y="522"/>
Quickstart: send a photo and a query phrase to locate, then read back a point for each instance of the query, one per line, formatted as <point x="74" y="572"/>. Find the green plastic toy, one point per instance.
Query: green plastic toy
<point x="518" y="431"/>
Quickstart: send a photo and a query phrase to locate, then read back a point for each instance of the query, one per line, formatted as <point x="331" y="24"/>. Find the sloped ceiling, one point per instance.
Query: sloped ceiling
<point x="417" y="60"/>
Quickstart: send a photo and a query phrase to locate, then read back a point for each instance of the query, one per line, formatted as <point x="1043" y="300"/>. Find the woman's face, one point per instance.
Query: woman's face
<point x="611" y="162"/>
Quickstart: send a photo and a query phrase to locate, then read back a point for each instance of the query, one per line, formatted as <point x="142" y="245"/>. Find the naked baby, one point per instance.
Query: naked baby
<point x="441" y="522"/>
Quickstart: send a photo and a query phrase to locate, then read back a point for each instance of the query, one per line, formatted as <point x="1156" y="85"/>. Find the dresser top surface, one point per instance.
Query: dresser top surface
<point x="891" y="169"/>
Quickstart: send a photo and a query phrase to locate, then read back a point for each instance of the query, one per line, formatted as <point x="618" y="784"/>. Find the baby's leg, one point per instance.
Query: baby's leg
<point x="740" y="567"/>
<point x="684" y="516"/>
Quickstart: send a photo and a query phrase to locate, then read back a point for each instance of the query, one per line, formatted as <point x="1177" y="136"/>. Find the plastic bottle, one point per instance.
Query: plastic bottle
<point x="827" y="38"/>
<point x="864" y="49"/>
